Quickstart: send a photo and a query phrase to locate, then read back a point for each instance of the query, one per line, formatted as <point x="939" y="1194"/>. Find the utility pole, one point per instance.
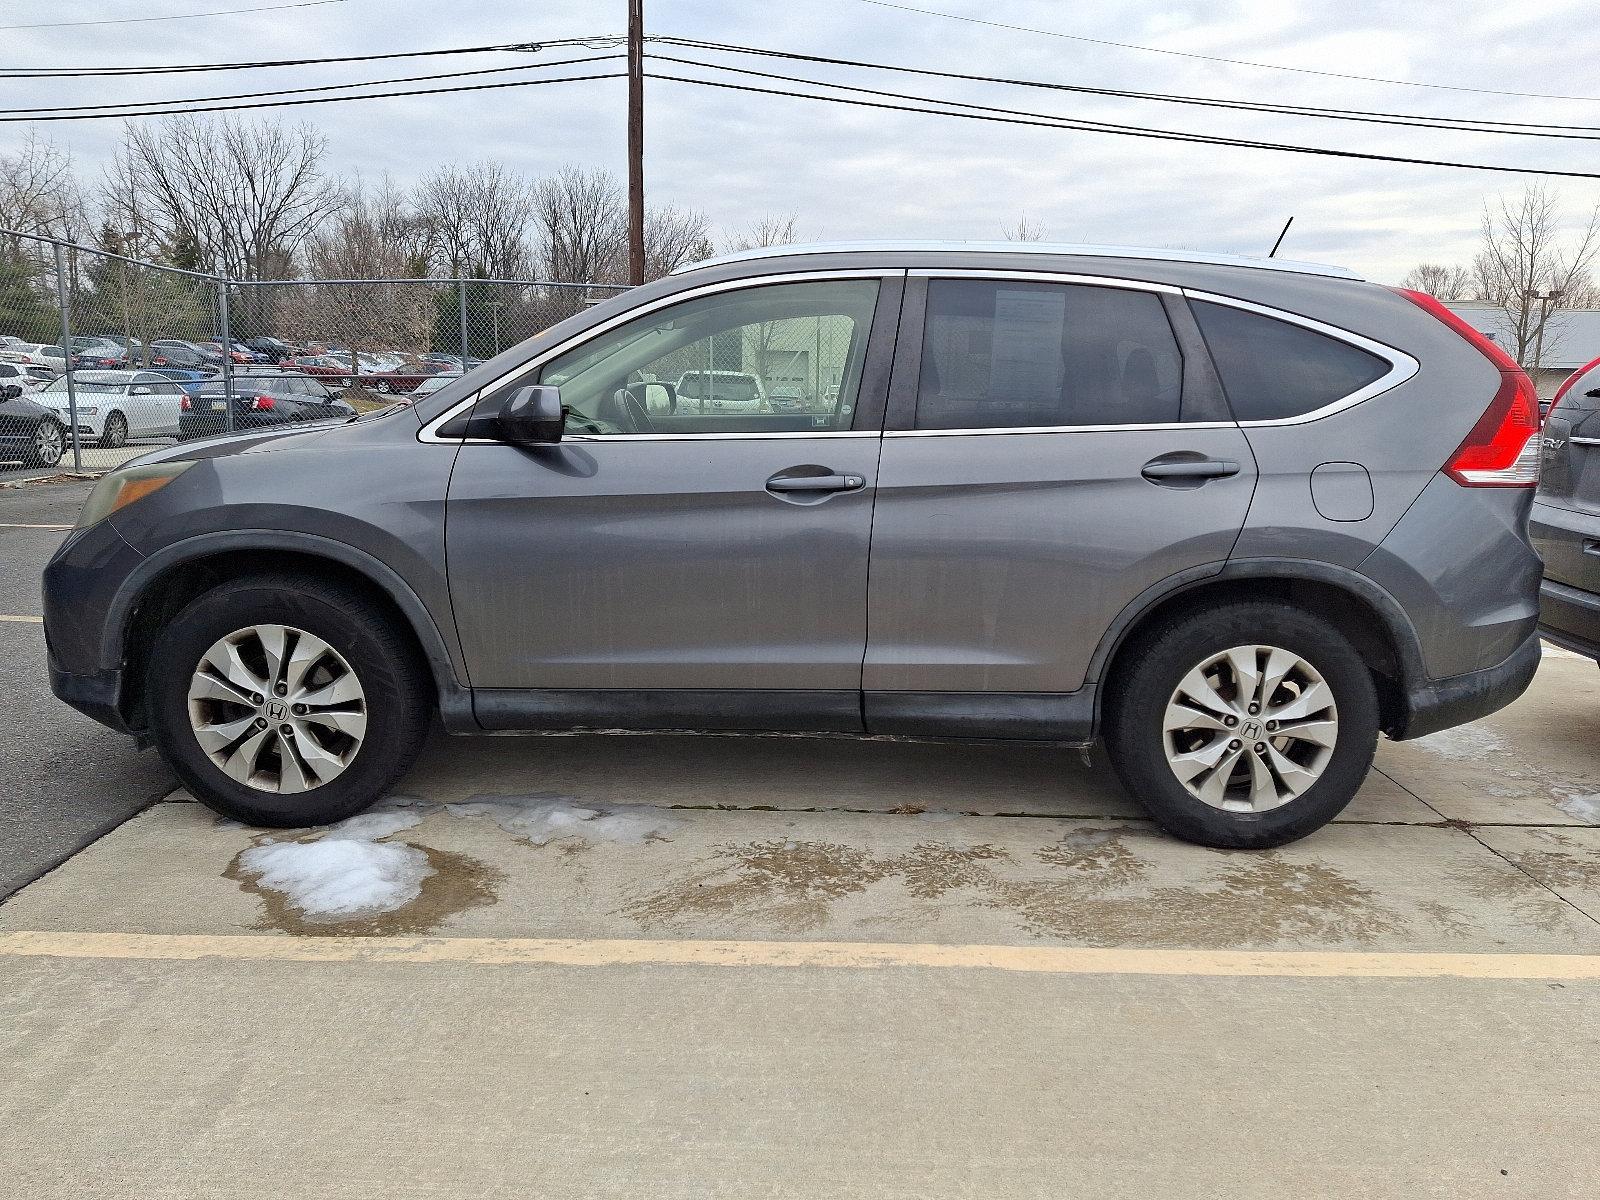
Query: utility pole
<point x="636" y="142"/>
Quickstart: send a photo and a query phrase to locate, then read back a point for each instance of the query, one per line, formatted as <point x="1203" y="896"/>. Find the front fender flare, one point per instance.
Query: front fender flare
<point x="455" y="697"/>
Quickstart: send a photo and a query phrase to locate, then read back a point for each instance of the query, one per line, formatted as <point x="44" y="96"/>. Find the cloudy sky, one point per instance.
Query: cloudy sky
<point x="855" y="172"/>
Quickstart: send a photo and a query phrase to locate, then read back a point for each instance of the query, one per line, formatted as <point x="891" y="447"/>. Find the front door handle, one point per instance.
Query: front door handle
<point x="816" y="483"/>
<point x="1189" y="470"/>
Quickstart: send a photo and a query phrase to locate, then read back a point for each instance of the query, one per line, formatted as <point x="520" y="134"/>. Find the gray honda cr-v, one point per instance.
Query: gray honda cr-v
<point x="1566" y="515"/>
<point x="1235" y="517"/>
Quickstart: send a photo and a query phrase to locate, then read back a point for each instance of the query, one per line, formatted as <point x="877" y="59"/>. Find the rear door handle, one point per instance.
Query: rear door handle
<point x="816" y="483"/>
<point x="1206" y="468"/>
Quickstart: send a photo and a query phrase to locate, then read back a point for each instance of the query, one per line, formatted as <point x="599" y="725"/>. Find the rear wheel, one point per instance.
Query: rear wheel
<point x="115" y="433"/>
<point x="1243" y="726"/>
<point x="286" y="701"/>
<point x="49" y="443"/>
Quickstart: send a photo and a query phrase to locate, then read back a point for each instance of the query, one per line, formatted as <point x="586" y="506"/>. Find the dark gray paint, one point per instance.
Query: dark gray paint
<point x="1004" y="567"/>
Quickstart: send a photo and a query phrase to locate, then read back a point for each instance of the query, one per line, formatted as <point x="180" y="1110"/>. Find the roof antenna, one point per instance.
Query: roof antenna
<point x="1281" y="236"/>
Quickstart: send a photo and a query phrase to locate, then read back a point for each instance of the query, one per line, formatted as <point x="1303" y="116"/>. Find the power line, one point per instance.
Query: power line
<point x="227" y="12"/>
<point x="1050" y="121"/>
<point x="326" y="87"/>
<point x="1365" y="116"/>
<point x="172" y="112"/>
<point x="1234" y="62"/>
<point x="598" y="42"/>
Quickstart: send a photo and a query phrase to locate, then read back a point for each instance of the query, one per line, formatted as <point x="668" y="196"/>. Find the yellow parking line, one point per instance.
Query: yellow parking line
<point x="1047" y="960"/>
<point x="25" y="619"/>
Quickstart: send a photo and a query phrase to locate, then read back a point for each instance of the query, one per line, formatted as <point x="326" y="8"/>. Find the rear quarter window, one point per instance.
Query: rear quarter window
<point x="1272" y="370"/>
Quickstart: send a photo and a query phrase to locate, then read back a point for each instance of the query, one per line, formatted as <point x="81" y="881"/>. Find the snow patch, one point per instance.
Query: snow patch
<point x="340" y="876"/>
<point x="1584" y="808"/>
<point x="375" y="825"/>
<point x="543" y="817"/>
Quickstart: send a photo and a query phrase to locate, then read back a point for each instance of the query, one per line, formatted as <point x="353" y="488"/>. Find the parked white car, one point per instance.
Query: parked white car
<point x="20" y="376"/>
<point x="727" y="391"/>
<point x="32" y="354"/>
<point x="114" y="406"/>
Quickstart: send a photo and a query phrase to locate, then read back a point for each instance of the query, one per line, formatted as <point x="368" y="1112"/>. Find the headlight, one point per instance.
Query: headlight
<point x="121" y="488"/>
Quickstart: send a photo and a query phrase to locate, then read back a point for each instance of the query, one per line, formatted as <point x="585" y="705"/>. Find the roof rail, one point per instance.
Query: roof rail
<point x="1042" y="249"/>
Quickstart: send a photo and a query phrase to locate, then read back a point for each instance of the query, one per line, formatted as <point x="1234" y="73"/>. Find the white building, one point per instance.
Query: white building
<point x="1571" y="340"/>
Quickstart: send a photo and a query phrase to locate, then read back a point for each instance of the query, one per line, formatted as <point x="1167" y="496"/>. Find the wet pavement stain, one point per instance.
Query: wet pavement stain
<point x="1256" y="899"/>
<point x="458" y="883"/>
<point x="795" y="882"/>
<point x="1567" y="863"/>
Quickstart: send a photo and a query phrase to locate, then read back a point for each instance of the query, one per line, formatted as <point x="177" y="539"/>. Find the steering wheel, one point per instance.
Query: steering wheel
<point x="631" y="413"/>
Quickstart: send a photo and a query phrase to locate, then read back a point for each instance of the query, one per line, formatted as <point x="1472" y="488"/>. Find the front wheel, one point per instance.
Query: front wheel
<point x="286" y="701"/>
<point x="49" y="443"/>
<point x="1243" y="726"/>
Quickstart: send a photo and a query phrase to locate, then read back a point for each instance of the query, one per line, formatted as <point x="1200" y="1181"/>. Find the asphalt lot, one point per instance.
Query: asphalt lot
<point x="63" y="779"/>
<point x="713" y="966"/>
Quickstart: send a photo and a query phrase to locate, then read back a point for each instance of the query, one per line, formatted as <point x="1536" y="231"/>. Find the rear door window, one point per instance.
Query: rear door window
<point x="1272" y="369"/>
<point x="1016" y="355"/>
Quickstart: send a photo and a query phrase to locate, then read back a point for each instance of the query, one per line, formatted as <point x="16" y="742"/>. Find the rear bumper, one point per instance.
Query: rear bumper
<point x="1442" y="703"/>
<point x="1570" y="617"/>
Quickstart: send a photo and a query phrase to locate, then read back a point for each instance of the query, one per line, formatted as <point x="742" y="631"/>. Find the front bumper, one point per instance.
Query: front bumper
<point x="1442" y="703"/>
<point x="96" y="695"/>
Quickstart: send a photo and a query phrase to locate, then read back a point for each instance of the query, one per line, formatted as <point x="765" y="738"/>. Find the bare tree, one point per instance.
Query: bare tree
<point x="376" y="235"/>
<point x="1526" y="259"/>
<point x="1024" y="231"/>
<point x="39" y="191"/>
<point x="770" y="230"/>
<point x="249" y="194"/>
<point x="580" y="215"/>
<point x="672" y="237"/>
<point x="1441" y="280"/>
<point x="477" y="220"/>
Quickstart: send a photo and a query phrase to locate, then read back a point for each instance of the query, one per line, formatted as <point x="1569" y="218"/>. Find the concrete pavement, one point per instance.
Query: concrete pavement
<point x="808" y="967"/>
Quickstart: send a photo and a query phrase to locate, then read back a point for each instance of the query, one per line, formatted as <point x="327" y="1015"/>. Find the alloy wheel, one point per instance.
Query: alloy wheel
<point x="277" y="709"/>
<point x="49" y="443"/>
<point x="1250" y="729"/>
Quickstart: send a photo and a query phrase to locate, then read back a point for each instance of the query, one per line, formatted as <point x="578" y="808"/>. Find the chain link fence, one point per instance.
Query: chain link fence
<point x="103" y="356"/>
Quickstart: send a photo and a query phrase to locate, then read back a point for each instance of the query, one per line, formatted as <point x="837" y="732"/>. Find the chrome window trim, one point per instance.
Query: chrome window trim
<point x="429" y="432"/>
<point x="1024" y="275"/>
<point x="1401" y="365"/>
<point x="1004" y="429"/>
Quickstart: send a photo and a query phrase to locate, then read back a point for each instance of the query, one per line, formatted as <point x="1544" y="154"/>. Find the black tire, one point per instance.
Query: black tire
<point x="115" y="433"/>
<point x="1151" y="668"/>
<point x="378" y="651"/>
<point x="49" y="443"/>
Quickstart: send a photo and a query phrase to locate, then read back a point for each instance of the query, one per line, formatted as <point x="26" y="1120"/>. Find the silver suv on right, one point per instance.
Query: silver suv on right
<point x="1234" y="517"/>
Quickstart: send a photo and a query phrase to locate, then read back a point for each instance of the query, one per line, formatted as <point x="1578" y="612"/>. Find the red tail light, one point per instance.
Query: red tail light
<point x="261" y="403"/>
<point x="185" y="405"/>
<point x="1502" y="450"/>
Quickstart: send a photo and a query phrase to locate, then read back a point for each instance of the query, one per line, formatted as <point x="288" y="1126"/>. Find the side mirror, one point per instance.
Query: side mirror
<point x="660" y="397"/>
<point x="532" y="417"/>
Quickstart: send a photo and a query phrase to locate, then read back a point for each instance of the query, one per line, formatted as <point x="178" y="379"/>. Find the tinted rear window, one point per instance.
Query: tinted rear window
<point x="1271" y="369"/>
<point x="1027" y="355"/>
